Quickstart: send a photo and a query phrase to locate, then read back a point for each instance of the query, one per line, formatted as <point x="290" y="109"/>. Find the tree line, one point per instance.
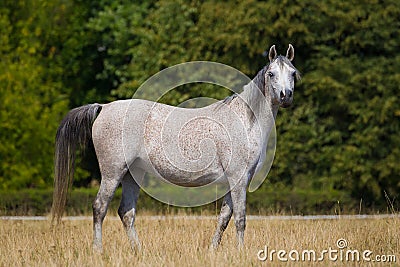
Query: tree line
<point x="338" y="143"/>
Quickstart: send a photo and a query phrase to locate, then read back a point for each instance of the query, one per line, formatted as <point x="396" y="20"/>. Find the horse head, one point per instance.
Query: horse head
<point x="280" y="77"/>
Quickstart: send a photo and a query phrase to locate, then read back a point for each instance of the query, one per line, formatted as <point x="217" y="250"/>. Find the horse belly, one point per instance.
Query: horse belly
<point x="182" y="175"/>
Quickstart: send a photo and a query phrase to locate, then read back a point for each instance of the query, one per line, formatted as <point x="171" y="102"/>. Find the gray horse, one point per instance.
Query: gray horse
<point x="224" y="142"/>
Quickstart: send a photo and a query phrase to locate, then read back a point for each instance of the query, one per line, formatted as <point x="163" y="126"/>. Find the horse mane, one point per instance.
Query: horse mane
<point x="259" y="80"/>
<point x="254" y="92"/>
<point x="227" y="100"/>
<point x="251" y="95"/>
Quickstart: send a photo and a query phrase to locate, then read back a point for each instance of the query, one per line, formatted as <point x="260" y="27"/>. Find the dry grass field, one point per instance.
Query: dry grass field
<point x="184" y="241"/>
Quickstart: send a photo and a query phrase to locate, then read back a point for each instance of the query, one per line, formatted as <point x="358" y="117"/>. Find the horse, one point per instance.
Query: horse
<point x="132" y="137"/>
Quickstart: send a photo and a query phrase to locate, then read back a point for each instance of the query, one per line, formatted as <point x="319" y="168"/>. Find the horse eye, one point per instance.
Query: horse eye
<point x="270" y="74"/>
<point x="294" y="74"/>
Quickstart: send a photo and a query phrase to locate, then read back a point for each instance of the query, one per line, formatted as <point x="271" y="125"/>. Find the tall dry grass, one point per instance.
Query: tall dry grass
<point x="185" y="241"/>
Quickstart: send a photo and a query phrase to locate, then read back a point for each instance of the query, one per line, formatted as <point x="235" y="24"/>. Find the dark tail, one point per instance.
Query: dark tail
<point x="75" y="131"/>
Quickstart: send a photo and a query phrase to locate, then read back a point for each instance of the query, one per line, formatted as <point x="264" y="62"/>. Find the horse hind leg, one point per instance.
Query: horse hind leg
<point x="127" y="208"/>
<point x="223" y="220"/>
<point x="109" y="183"/>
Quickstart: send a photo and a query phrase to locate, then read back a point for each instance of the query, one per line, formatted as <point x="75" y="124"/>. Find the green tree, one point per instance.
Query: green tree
<point x="339" y="141"/>
<point x="31" y="103"/>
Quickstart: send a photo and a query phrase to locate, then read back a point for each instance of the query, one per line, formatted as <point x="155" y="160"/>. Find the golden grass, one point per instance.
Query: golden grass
<point x="185" y="241"/>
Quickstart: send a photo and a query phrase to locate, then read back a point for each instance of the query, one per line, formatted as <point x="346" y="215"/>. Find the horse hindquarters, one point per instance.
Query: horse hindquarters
<point x="107" y="136"/>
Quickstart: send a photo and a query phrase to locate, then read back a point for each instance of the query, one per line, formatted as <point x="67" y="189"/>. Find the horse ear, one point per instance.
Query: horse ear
<point x="290" y="53"/>
<point x="272" y="53"/>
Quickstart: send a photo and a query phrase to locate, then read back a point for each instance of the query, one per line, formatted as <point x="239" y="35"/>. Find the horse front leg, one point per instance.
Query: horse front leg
<point x="238" y="194"/>
<point x="223" y="220"/>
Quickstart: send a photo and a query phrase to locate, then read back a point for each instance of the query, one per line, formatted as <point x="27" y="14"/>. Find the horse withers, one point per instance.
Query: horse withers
<point x="130" y="144"/>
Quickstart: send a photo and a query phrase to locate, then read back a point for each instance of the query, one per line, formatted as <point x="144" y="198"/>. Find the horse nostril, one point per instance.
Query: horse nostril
<point x="289" y="93"/>
<point x="282" y="95"/>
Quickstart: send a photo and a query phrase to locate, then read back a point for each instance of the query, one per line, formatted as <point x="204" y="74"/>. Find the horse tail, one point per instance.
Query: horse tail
<point x="75" y="131"/>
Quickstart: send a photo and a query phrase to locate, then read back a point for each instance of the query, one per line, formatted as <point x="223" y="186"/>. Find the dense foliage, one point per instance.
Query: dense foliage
<point x="339" y="143"/>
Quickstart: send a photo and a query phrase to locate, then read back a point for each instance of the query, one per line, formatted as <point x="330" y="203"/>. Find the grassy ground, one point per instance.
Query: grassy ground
<point x="184" y="242"/>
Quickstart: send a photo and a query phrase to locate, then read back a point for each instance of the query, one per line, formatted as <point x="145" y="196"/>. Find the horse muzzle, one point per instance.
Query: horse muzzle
<point x="286" y="98"/>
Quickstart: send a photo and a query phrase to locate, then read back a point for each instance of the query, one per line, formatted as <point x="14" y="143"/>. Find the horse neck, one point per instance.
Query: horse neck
<point x="259" y="105"/>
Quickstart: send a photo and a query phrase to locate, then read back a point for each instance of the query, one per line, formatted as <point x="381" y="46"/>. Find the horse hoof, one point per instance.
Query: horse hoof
<point x="98" y="249"/>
